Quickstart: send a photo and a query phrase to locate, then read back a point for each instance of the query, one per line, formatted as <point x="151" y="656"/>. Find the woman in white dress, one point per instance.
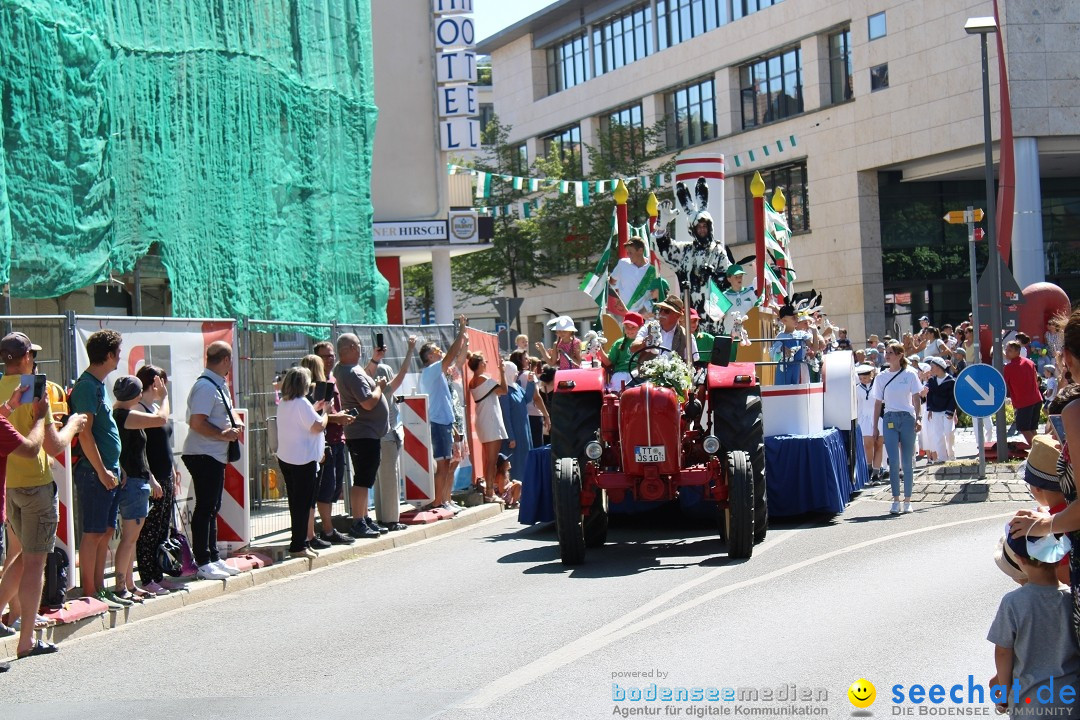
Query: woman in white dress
<point x="487" y="416"/>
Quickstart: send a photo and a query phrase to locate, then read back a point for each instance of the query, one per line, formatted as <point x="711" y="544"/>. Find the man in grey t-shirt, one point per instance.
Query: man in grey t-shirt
<point x="387" y="492"/>
<point x="361" y="396"/>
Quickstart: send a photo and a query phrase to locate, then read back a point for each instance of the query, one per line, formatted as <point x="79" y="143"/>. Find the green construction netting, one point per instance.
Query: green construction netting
<point x="237" y="134"/>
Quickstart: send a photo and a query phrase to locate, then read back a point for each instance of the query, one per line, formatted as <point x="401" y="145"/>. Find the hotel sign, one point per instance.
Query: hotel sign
<point x="455" y="38"/>
<point x="411" y="232"/>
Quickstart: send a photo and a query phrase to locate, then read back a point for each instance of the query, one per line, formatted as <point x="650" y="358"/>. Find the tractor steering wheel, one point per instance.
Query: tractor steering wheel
<point x="630" y="364"/>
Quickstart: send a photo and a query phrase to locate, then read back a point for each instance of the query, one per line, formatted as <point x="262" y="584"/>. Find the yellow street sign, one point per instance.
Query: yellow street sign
<point x="960" y="217"/>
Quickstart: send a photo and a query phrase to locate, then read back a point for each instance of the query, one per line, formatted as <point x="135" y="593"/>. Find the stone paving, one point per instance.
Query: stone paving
<point x="959" y="482"/>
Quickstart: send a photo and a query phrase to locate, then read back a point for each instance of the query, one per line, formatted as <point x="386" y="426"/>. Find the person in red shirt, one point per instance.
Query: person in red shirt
<point x="1022" y="384"/>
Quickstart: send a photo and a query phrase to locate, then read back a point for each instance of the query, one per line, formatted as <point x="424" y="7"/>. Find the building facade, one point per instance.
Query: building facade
<point x="867" y="114"/>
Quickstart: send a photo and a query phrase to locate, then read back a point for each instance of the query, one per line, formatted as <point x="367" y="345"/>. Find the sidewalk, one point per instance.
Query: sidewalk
<point x="197" y="591"/>
<point x="958" y="481"/>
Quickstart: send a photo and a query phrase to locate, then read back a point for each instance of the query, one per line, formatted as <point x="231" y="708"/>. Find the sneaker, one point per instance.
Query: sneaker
<point x="317" y="543"/>
<point x="884" y="474"/>
<point x="336" y="538"/>
<point x="156" y="588"/>
<point x="110" y="602"/>
<point x="171" y="586"/>
<point x="452" y="507"/>
<point x="360" y="529"/>
<point x="6" y="631"/>
<point x="396" y="527"/>
<point x="908" y="508"/>
<point x="374" y="525"/>
<point x="307" y="554"/>
<point x="895" y="509"/>
<point x="210" y="571"/>
<point x="228" y="569"/>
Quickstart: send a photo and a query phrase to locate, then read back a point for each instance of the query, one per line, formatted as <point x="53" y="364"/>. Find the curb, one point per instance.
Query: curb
<point x="198" y="591"/>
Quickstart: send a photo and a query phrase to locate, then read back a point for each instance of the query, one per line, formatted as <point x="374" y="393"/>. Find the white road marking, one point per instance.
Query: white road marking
<point x="627" y="624"/>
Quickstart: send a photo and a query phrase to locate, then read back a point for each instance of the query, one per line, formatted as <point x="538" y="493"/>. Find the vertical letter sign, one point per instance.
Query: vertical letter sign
<point x="455" y="37"/>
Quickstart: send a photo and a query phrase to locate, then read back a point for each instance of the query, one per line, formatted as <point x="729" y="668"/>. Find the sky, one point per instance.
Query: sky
<point x="491" y="16"/>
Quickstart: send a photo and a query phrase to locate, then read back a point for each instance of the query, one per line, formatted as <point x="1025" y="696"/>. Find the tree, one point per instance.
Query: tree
<point x="560" y="237"/>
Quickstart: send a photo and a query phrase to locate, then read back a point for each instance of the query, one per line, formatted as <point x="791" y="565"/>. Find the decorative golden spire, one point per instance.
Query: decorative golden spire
<point x="779" y="202"/>
<point x="652" y="206"/>
<point x="757" y="186"/>
<point x="621" y="193"/>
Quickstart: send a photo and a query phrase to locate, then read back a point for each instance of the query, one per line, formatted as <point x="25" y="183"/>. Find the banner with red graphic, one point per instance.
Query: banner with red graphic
<point x="178" y="346"/>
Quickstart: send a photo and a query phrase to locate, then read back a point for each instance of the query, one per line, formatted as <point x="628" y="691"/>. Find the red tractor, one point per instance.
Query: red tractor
<point x="638" y="449"/>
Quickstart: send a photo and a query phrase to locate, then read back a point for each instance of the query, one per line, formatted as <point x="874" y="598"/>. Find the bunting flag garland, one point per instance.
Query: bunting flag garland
<point x="585" y="191"/>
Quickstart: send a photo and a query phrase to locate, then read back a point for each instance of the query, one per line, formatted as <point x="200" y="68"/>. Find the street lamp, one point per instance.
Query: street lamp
<point x="983" y="26"/>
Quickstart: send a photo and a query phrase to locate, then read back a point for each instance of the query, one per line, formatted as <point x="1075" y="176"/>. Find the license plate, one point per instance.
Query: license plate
<point x="650" y="454"/>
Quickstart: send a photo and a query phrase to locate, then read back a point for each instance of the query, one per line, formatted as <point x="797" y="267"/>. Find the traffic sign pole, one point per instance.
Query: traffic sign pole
<point x="970" y="215"/>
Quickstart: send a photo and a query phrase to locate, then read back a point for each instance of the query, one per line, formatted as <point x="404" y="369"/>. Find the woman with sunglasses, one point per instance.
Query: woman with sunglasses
<point x="897" y="404"/>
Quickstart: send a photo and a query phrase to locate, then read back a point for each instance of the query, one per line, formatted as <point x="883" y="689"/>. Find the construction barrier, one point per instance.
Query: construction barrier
<point x="417" y="461"/>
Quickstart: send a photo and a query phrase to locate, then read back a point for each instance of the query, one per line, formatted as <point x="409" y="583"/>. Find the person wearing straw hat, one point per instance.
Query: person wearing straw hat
<point x="565" y="354"/>
<point x="669" y="319"/>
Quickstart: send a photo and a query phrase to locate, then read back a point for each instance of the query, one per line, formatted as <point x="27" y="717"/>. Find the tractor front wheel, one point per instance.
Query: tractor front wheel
<point x="596" y="522"/>
<point x="738" y="518"/>
<point x="568" y="518"/>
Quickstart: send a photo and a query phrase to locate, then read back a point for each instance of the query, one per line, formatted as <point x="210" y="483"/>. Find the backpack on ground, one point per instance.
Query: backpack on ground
<point x="54" y="593"/>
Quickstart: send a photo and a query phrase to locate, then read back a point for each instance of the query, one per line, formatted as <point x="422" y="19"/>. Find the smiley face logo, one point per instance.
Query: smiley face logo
<point x="862" y="693"/>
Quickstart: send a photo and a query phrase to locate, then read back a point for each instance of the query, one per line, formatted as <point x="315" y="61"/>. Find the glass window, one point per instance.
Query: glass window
<point x="623" y="39"/>
<point x="840" y="65"/>
<point x="567" y="64"/>
<point x="566" y="144"/>
<point x="487" y="114"/>
<point x="876" y="25"/>
<point x="879" y="77"/>
<point x="771" y="88"/>
<point x="681" y="20"/>
<point x="519" y="159"/>
<point x="627" y="131"/>
<point x="742" y="8"/>
<point x="691" y="115"/>
<point x="792" y="180"/>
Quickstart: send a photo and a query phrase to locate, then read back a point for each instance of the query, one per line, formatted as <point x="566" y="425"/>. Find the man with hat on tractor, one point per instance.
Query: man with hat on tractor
<point x="665" y="329"/>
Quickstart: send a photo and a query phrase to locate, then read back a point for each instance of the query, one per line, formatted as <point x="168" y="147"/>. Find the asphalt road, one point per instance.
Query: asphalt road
<point x="486" y="623"/>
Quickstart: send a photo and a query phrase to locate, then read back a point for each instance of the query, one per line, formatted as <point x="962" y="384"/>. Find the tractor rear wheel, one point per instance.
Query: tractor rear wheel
<point x="596" y="522"/>
<point x="568" y="518"/>
<point x="737" y="424"/>
<point x="738" y="518"/>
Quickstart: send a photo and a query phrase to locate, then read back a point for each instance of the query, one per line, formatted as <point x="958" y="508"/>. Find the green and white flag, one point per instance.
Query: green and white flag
<point x="643" y="287"/>
<point x="716" y="303"/>
<point x="776" y="286"/>
<point x="595" y="283"/>
<point x="581" y="193"/>
<point x="483" y="184"/>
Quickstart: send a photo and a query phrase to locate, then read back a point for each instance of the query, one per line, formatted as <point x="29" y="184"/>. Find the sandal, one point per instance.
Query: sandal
<point x="40" y="647"/>
<point x="142" y="593"/>
<point x="129" y="596"/>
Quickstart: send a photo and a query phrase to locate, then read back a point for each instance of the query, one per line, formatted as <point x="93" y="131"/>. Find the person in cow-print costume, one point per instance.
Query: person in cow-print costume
<point x="699" y="259"/>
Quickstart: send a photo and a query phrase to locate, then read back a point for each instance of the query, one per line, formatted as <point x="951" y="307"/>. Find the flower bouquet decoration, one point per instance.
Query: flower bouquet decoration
<point x="671" y="371"/>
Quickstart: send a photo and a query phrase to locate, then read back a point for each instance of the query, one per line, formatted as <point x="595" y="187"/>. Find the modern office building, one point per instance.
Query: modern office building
<point x="883" y="99"/>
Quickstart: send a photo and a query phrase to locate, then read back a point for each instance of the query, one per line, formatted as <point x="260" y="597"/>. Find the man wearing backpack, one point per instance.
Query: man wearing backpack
<point x="32" y="508"/>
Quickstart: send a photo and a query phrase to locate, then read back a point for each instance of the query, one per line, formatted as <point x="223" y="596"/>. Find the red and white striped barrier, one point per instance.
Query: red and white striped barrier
<point x="65" y="529"/>
<point x="417" y="459"/>
<point x="234" y="517"/>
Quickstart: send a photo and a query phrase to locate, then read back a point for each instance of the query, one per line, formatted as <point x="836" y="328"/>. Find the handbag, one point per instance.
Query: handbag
<point x="234" y="445"/>
<point x="179" y="549"/>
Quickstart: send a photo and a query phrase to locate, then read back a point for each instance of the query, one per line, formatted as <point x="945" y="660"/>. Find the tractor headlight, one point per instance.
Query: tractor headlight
<point x="711" y="444"/>
<point x="594" y="450"/>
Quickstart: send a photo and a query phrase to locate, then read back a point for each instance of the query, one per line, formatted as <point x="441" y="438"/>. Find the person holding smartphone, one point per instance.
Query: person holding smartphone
<point x="26" y="479"/>
<point x="387" y="487"/>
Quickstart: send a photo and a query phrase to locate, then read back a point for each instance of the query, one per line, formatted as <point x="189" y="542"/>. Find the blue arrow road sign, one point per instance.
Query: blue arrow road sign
<point x="980" y="390"/>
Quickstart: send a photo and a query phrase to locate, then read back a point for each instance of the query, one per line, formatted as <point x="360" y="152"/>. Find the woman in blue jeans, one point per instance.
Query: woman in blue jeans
<point x="897" y="403"/>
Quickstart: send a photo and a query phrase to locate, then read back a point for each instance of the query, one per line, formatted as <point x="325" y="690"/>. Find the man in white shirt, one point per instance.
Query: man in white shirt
<point x="627" y="276"/>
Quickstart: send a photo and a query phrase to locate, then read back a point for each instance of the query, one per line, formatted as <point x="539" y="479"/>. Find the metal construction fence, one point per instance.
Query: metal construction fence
<point x="263" y="350"/>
